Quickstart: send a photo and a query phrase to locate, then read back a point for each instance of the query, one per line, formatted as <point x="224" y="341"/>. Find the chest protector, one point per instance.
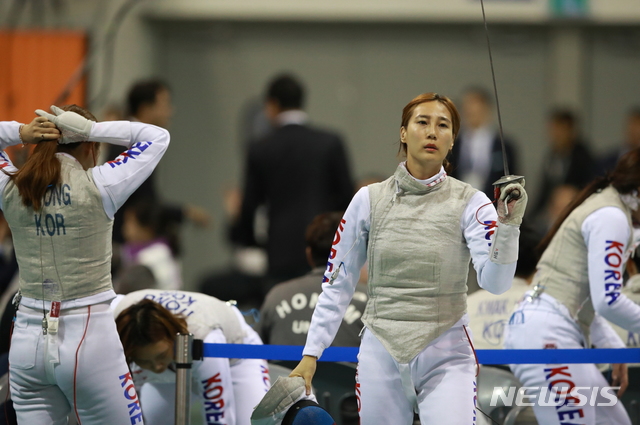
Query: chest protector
<point x="63" y="250"/>
<point x="418" y="262"/>
<point x="563" y="269"/>
<point x="202" y="312"/>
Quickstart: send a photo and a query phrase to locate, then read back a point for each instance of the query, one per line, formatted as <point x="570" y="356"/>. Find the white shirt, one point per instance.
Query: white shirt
<point x="351" y="252"/>
<point x="293" y="116"/>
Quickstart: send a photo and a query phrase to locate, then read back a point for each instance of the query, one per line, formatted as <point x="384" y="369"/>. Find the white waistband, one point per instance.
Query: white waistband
<point x="95" y="308"/>
<point x="39" y="304"/>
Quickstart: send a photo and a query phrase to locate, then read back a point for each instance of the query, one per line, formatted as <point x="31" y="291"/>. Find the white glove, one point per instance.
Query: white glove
<point x="504" y="246"/>
<point x="512" y="211"/>
<point x="74" y="127"/>
<point x="275" y="404"/>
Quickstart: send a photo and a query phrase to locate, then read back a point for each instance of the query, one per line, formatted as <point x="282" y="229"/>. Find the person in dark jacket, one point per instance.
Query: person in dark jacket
<point x="476" y="156"/>
<point x="297" y="171"/>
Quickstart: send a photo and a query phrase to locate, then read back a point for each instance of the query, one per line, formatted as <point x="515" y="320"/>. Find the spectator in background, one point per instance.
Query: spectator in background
<point x="489" y="313"/>
<point x="568" y="161"/>
<point x="561" y="196"/>
<point x="242" y="280"/>
<point x="298" y="171"/>
<point x="632" y="141"/>
<point x="151" y="240"/>
<point x="477" y="153"/>
<point x="149" y="102"/>
<point x="286" y="313"/>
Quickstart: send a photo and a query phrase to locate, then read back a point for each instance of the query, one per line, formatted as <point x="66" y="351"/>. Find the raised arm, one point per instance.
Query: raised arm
<point x="481" y="231"/>
<point x="118" y="179"/>
<point x="14" y="133"/>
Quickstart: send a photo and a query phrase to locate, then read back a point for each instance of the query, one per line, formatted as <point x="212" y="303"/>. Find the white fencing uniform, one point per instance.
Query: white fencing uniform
<point x="581" y="287"/>
<point x="64" y="251"/>
<point x="228" y="388"/>
<point x="415" y="240"/>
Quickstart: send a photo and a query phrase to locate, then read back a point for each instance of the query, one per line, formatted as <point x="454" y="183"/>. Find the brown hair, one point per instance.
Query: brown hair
<point x="625" y="178"/>
<point x="320" y="234"/>
<point x="147" y="322"/>
<point x="407" y="111"/>
<point x="42" y="169"/>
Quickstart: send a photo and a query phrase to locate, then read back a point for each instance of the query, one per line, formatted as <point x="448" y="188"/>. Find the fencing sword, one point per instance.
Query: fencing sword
<point x="507" y="178"/>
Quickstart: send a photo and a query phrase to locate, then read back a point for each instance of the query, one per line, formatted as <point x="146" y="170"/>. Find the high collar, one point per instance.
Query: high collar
<point x="65" y="158"/>
<point x="406" y="183"/>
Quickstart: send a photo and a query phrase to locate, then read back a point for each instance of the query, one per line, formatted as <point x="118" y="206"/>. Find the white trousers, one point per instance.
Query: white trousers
<point x="545" y="323"/>
<point x="228" y="392"/>
<point x="62" y="374"/>
<point x="439" y="382"/>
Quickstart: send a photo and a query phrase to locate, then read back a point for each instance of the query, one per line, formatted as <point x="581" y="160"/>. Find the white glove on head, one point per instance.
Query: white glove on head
<point x="511" y="209"/>
<point x="74" y="127"/>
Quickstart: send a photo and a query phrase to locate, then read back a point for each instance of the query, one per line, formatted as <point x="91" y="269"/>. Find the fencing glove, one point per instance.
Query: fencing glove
<point x="74" y="127"/>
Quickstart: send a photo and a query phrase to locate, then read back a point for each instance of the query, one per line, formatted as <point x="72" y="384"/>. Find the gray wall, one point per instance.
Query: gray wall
<point x="613" y="83"/>
<point x="358" y="76"/>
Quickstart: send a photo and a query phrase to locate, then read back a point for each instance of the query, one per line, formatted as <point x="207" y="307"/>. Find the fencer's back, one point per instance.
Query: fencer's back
<point x="63" y="250"/>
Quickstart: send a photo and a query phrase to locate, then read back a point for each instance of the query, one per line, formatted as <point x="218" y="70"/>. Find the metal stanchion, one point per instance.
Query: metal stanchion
<point x="184" y="359"/>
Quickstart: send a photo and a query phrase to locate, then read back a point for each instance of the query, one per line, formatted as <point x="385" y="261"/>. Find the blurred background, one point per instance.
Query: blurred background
<point x="360" y="62"/>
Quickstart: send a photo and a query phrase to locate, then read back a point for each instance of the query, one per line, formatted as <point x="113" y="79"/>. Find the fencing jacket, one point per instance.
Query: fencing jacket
<point x="583" y="265"/>
<point x="400" y="294"/>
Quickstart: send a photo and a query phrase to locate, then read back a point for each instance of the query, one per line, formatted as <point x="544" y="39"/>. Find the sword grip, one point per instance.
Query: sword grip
<point x="513" y="195"/>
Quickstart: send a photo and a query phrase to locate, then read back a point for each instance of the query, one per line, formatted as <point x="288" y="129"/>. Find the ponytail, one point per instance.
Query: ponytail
<point x="625" y="178"/>
<point x="42" y="169"/>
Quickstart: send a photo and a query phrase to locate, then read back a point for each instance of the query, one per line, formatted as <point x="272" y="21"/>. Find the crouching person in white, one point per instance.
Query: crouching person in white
<point x="148" y="321"/>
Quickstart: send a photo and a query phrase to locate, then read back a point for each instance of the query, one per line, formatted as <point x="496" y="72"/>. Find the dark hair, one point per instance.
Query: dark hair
<point x="320" y="235"/>
<point x="564" y="116"/>
<point x="407" y="111"/>
<point x="147" y="322"/>
<point x="634" y="112"/>
<point x="625" y="178"/>
<point x="481" y="93"/>
<point x="527" y="254"/>
<point x="42" y="168"/>
<point x="144" y="93"/>
<point x="158" y="218"/>
<point x="287" y="91"/>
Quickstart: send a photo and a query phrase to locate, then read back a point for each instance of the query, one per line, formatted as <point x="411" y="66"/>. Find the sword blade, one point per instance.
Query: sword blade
<point x="495" y="90"/>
